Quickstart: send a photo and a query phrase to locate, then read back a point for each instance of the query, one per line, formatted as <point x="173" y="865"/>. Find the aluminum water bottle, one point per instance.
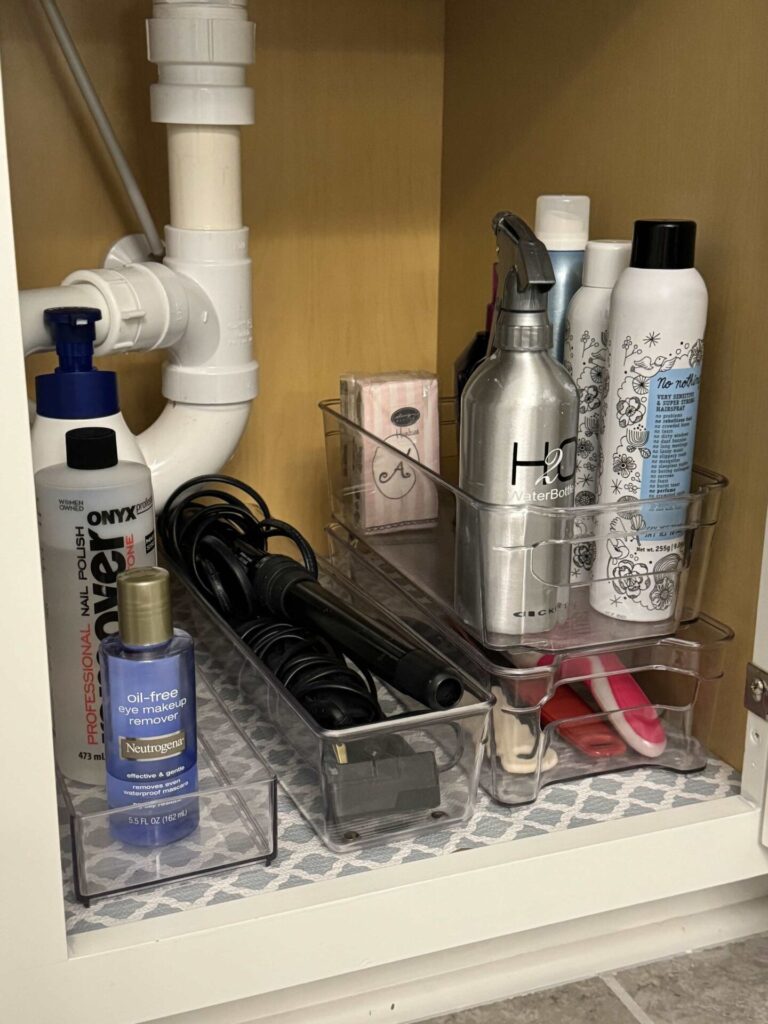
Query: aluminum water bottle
<point x="96" y="519"/>
<point x="518" y="456"/>
<point x="656" y="334"/>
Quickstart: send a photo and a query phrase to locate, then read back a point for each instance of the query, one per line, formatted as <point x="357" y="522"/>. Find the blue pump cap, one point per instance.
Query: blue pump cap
<point x="76" y="390"/>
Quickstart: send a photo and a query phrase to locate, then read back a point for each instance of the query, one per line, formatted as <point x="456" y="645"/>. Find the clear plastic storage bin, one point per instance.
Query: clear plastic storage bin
<point x="365" y="784"/>
<point x="235" y="808"/>
<point x="525" y="750"/>
<point x="656" y="550"/>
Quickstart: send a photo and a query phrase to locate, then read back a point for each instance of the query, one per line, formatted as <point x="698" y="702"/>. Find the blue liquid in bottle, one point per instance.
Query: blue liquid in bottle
<point x="150" y="729"/>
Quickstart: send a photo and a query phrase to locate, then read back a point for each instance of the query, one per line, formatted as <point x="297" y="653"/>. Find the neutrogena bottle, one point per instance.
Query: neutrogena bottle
<point x="96" y="519"/>
<point x="150" y="715"/>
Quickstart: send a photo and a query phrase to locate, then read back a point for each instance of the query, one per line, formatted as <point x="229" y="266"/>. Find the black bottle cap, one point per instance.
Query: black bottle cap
<point x="663" y="244"/>
<point x="91" y="448"/>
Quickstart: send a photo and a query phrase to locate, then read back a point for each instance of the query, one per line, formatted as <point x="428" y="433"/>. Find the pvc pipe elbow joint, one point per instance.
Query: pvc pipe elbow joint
<point x="188" y="440"/>
<point x="144" y="306"/>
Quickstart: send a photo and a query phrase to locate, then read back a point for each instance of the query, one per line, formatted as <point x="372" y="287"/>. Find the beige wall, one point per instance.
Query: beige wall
<point x="342" y="188"/>
<point x="655" y="108"/>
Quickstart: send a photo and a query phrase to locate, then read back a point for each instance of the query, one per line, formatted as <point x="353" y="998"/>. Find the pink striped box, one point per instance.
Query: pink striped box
<point x="402" y="410"/>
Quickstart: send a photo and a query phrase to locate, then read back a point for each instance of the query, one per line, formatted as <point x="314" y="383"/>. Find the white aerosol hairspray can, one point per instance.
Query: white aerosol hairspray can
<point x="656" y="333"/>
<point x="96" y="520"/>
<point x="585" y="358"/>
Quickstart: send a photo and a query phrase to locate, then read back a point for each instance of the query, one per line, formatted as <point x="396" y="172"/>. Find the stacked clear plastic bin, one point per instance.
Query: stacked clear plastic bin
<point x="359" y="786"/>
<point x="672" y="655"/>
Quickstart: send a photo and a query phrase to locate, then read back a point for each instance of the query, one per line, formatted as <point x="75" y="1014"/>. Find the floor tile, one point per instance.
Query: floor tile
<point x="585" y="1002"/>
<point x="729" y="983"/>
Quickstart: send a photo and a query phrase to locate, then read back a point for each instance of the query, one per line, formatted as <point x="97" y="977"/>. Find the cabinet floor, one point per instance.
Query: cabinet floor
<point x="302" y="858"/>
<point x="727" y="983"/>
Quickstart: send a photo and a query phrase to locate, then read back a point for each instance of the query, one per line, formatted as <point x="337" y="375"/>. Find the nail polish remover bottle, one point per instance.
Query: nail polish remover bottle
<point x="585" y="358"/>
<point x="562" y="225"/>
<point x="655" y="337"/>
<point x="76" y="394"/>
<point x="96" y="519"/>
<point x="150" y="715"/>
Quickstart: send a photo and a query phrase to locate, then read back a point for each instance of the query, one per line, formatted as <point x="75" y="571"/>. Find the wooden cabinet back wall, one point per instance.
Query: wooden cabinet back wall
<point x="387" y="134"/>
<point x="654" y="109"/>
<point x="341" y="177"/>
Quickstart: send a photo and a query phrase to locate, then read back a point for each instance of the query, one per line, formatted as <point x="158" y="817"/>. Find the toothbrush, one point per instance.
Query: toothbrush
<point x="617" y="692"/>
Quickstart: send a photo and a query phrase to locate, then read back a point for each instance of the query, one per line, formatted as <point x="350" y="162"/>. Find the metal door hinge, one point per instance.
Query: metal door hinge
<point x="756" y="691"/>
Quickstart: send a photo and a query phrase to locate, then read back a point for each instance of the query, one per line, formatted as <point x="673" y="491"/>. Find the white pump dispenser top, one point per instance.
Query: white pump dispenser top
<point x="562" y="222"/>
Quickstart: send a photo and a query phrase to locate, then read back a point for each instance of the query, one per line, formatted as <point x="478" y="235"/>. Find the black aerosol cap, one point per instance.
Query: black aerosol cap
<point x="663" y="244"/>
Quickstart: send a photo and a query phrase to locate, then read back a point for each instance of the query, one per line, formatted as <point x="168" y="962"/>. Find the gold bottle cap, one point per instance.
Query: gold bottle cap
<point x="144" y="606"/>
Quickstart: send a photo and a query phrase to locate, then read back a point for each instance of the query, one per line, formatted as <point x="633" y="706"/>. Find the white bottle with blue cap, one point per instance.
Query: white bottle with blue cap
<point x="96" y="520"/>
<point x="76" y="394"/>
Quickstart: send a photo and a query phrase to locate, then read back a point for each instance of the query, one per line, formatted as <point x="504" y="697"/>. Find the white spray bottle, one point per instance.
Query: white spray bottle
<point x="585" y="358"/>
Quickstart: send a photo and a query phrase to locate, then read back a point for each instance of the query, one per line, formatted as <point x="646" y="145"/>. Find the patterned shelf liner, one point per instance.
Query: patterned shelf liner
<point x="303" y="859"/>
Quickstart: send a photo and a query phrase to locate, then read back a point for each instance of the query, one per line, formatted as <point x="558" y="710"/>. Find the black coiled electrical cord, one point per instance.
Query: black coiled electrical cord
<point x="216" y="536"/>
<point x="335" y="694"/>
<point x="327" y="656"/>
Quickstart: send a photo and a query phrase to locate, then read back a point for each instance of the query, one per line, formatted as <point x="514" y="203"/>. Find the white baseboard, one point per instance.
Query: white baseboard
<point x="486" y="972"/>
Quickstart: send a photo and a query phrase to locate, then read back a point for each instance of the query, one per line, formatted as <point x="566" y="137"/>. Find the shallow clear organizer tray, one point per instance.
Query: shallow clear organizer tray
<point x="537" y="542"/>
<point x="522" y="753"/>
<point x="236" y="802"/>
<point x="357" y="786"/>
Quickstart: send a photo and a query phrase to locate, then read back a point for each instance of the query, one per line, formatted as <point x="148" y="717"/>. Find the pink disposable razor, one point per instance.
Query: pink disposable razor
<point x="631" y="713"/>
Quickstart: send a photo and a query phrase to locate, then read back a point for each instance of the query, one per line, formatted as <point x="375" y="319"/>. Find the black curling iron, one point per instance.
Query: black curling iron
<point x="221" y="541"/>
<point x="286" y="589"/>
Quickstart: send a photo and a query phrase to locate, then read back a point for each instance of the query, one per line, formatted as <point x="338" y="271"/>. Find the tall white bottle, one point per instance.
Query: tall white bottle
<point x="562" y="225"/>
<point x="96" y="520"/>
<point x="585" y="358"/>
<point x="656" y="332"/>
